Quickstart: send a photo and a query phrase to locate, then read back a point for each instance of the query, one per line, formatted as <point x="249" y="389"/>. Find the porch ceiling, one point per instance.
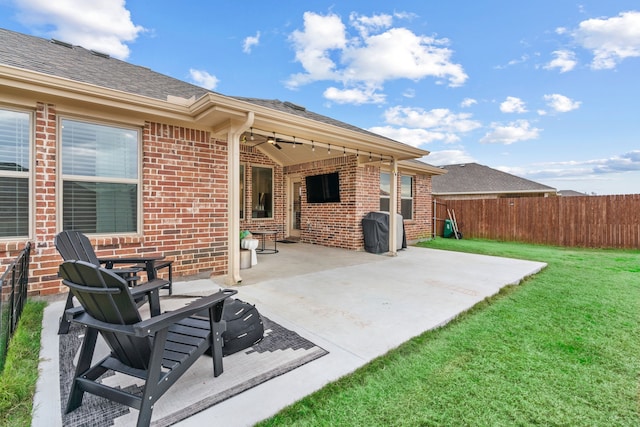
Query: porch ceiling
<point x="286" y="153"/>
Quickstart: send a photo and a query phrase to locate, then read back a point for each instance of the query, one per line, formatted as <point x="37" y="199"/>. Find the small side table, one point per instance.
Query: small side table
<point x="263" y="237"/>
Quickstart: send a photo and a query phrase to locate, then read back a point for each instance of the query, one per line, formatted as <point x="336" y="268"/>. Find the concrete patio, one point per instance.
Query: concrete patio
<point x="356" y="305"/>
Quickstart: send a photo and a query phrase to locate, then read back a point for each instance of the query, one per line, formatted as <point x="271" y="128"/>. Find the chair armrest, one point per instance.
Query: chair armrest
<point x="147" y="287"/>
<point x="162" y="321"/>
<point x="78" y="315"/>
<point x="132" y="260"/>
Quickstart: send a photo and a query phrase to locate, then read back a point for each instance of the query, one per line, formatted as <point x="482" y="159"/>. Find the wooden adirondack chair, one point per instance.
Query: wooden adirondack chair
<point x="158" y="350"/>
<point x="74" y="245"/>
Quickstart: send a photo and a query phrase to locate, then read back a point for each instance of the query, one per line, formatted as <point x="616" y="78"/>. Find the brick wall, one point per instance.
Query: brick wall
<point x="331" y="224"/>
<point x="185" y="183"/>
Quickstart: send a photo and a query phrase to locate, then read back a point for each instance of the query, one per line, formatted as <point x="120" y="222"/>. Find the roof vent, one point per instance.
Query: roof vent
<point x="61" y="43"/>
<point x="100" y="54"/>
<point x="294" y="106"/>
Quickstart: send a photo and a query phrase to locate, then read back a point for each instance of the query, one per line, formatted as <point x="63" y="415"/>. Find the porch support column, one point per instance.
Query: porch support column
<point x="393" y="209"/>
<point x="233" y="211"/>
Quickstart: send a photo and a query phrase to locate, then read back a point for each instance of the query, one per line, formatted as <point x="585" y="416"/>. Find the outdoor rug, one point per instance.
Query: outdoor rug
<point x="279" y="352"/>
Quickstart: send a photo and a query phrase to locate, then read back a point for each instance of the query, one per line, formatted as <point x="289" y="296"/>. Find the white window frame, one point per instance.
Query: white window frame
<point x="29" y="175"/>
<point x="389" y="189"/>
<point x="81" y="178"/>
<point x="410" y="197"/>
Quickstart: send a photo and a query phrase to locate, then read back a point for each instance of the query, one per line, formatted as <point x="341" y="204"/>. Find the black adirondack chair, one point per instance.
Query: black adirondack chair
<point x="74" y="245"/>
<point x="158" y="350"/>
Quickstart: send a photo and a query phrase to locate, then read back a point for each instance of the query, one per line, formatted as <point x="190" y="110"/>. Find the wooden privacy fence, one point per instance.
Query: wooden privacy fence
<point x="590" y="221"/>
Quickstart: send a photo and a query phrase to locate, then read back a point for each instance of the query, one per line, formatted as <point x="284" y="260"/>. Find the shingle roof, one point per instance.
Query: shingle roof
<point x="79" y="64"/>
<point x="475" y="178"/>
<point x="298" y="110"/>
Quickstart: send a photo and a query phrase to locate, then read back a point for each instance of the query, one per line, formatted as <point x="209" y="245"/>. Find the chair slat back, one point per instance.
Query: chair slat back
<point x="105" y="296"/>
<point x="75" y="245"/>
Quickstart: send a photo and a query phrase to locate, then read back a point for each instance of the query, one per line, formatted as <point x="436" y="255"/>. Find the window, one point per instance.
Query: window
<point x="385" y="191"/>
<point x="406" y="196"/>
<point x="262" y="192"/>
<point x="15" y="141"/>
<point x="241" y="191"/>
<point x="100" y="178"/>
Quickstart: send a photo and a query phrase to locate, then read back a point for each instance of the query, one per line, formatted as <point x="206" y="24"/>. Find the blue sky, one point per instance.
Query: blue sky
<point x="546" y="90"/>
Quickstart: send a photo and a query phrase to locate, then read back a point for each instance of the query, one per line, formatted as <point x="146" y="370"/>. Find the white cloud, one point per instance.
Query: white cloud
<point x="561" y="103"/>
<point x="377" y="53"/>
<point x="520" y="130"/>
<point x="513" y="105"/>
<point x="400" y="54"/>
<point x="611" y="40"/>
<point x="355" y="96"/>
<point x="101" y="25"/>
<point x="204" y="79"/>
<point x="250" y="42"/>
<point x="412" y="136"/>
<point x="468" y="102"/>
<point x="439" y="119"/>
<point x="313" y="46"/>
<point x="417" y="127"/>
<point x="448" y="157"/>
<point x="564" y="60"/>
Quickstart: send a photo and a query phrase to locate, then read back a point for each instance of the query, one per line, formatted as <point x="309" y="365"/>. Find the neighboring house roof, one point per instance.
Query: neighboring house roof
<point x="75" y="63"/>
<point x="570" y="193"/>
<point x="473" y="178"/>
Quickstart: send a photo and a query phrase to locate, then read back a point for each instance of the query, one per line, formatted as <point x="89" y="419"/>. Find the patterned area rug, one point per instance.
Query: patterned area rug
<point x="279" y="352"/>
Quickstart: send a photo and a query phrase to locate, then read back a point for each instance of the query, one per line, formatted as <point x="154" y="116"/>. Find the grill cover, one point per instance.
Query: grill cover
<point x="375" y="226"/>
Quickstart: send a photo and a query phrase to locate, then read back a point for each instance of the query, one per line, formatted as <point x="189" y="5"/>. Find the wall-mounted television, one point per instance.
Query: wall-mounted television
<point x="323" y="188"/>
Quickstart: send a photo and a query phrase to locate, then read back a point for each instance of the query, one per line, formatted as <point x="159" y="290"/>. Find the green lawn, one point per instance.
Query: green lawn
<point x="561" y="349"/>
<point x="20" y="373"/>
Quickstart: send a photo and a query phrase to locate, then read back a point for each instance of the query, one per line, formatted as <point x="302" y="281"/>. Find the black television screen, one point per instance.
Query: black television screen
<point x="323" y="188"/>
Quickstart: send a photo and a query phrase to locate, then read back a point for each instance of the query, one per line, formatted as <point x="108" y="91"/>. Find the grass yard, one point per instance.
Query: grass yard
<point x="18" y="379"/>
<point x="562" y="348"/>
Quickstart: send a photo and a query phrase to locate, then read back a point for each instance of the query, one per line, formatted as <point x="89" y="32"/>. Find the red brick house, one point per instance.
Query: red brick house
<point x="144" y="163"/>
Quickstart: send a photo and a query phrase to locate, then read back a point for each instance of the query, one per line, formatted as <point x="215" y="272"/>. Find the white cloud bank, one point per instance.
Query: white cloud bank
<point x="363" y="60"/>
<point x="101" y="25"/>
<point x="578" y="173"/>
<point x="611" y="40"/>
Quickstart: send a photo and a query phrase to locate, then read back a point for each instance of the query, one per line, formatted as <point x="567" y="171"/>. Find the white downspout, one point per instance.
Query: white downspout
<point x="393" y="209"/>
<point x="233" y="210"/>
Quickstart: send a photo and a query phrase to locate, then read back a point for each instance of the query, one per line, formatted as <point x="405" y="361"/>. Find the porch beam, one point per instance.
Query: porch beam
<point x="234" y="132"/>
<point x="393" y="209"/>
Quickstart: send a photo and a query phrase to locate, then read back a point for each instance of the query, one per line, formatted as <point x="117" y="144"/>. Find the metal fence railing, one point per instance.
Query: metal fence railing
<point x="13" y="296"/>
